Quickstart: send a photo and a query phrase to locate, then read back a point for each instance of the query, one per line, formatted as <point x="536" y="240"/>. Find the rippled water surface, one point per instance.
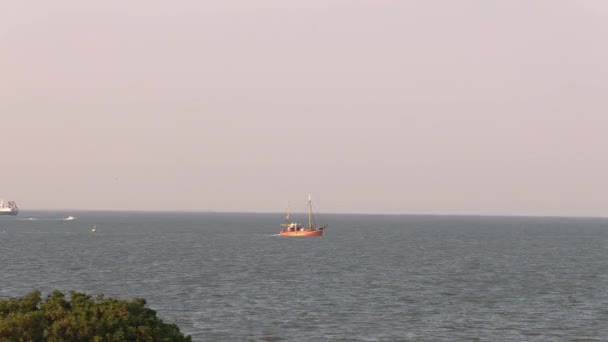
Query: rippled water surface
<point x="228" y="277"/>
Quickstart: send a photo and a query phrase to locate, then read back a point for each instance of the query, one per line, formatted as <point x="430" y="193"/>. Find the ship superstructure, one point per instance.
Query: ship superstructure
<point x="8" y="208"/>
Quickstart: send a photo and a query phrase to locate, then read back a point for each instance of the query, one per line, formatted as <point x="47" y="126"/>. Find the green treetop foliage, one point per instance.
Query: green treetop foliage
<point x="82" y="318"/>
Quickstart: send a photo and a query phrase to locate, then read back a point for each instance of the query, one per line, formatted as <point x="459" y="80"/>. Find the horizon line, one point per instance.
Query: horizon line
<point x="324" y="213"/>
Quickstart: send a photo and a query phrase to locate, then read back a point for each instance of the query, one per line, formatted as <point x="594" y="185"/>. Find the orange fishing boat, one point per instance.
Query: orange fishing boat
<point x="295" y="229"/>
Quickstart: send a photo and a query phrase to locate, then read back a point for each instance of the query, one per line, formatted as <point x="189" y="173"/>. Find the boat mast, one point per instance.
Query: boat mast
<point x="309" y="212"/>
<point x="287" y="219"/>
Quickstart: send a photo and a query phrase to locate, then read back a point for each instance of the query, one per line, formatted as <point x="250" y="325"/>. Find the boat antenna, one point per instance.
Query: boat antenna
<point x="287" y="217"/>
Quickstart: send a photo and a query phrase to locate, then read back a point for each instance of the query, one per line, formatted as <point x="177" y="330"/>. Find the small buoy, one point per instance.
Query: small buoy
<point x="94" y="229"/>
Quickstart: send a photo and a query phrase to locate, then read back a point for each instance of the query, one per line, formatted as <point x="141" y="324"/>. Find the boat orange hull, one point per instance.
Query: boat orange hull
<point x="302" y="233"/>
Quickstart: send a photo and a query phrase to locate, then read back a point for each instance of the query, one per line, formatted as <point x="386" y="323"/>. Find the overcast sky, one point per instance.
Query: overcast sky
<point x="441" y="107"/>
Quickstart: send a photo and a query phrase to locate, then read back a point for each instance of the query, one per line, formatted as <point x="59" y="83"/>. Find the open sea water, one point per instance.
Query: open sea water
<point x="229" y="277"/>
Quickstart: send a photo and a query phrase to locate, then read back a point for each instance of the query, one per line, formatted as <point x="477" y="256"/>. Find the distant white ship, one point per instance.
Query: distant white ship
<point x="70" y="218"/>
<point x="9" y="208"/>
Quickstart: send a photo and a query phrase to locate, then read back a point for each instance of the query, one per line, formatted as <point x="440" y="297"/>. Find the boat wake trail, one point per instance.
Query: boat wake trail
<point x="69" y="218"/>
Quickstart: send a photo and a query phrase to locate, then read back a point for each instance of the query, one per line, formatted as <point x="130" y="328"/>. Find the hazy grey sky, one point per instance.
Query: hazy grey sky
<point x="453" y="107"/>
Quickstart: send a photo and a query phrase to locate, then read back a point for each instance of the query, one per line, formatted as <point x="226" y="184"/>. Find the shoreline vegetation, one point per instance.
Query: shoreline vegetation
<point x="82" y="318"/>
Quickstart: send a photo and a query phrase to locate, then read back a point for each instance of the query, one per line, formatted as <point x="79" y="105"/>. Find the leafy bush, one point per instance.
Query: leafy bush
<point x="82" y="318"/>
